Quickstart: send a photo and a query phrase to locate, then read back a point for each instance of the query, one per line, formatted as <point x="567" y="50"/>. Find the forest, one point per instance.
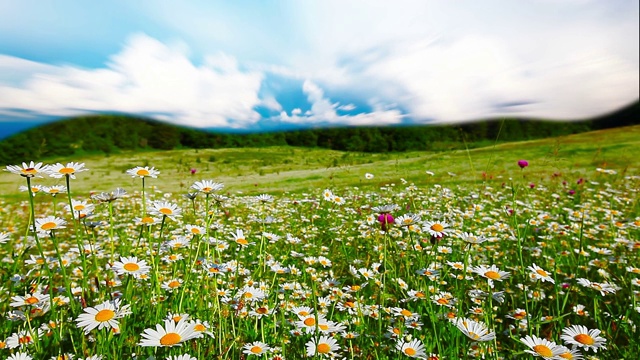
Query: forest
<point x="108" y="134"/>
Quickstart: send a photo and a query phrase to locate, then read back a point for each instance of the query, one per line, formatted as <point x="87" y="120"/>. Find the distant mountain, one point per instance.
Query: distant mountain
<point x="105" y="134"/>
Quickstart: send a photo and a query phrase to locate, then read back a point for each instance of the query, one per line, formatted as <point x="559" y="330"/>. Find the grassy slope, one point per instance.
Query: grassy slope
<point x="281" y="169"/>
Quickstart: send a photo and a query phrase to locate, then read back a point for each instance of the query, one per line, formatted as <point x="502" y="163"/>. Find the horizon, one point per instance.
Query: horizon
<point x="276" y="65"/>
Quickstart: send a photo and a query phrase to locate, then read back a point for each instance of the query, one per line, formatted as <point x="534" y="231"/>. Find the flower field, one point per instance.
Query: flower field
<point x="499" y="269"/>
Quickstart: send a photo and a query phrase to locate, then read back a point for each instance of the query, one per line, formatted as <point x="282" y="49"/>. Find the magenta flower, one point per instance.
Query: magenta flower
<point x="193" y="171"/>
<point x="523" y="163"/>
<point x="385" y="219"/>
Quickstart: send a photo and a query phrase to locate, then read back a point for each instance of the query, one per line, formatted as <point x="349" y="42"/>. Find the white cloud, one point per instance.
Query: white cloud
<point x="324" y="111"/>
<point x="147" y="76"/>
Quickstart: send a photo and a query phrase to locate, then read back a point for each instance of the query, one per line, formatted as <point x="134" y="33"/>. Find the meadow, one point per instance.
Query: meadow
<point x="518" y="250"/>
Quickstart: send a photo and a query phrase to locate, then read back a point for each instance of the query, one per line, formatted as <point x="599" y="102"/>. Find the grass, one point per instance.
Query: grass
<point x="483" y="259"/>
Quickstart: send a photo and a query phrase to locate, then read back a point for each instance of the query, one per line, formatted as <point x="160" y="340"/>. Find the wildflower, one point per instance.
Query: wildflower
<point x="22" y="338"/>
<point x="368" y="176"/>
<point x="36" y="299"/>
<point x="566" y="353"/>
<point x="239" y="238"/>
<point x="58" y="170"/>
<point x="542" y="347"/>
<point x="412" y="349"/>
<point x="206" y="186"/>
<point x="143" y="172"/>
<point x="4" y="237"/>
<point x="537" y="273"/>
<point x="80" y="207"/>
<point x="131" y="265"/>
<point x="265" y="198"/>
<point x="469" y="238"/>
<point x="110" y="196"/>
<point x="171" y="334"/>
<point x="35" y="189"/>
<point x="603" y="288"/>
<point x="171" y="285"/>
<point x="491" y="273"/>
<point x="255" y="348"/>
<point x="102" y="316"/>
<point x="474" y="330"/>
<point x="49" y="224"/>
<point x="165" y="208"/>
<point x="28" y="170"/>
<point x="325" y="345"/>
<point x="181" y="357"/>
<point x="436" y="229"/>
<point x="20" y="356"/>
<point x="581" y="336"/>
<point x="523" y="163"/>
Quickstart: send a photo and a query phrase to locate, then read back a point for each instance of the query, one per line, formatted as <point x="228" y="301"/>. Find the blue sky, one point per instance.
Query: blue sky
<point x="255" y="65"/>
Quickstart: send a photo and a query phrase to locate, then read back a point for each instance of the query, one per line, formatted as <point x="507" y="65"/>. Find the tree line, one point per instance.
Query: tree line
<point x="108" y="134"/>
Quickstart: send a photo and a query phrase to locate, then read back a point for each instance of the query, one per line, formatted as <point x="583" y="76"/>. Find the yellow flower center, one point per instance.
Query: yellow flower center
<point x="32" y="300"/>
<point x="142" y="172"/>
<point x="442" y="301"/>
<point x="473" y="335"/>
<point x="584" y="339"/>
<point x="105" y="315"/>
<point x="248" y="295"/>
<point x="147" y="220"/>
<point x="78" y="207"/>
<point x="420" y="294"/>
<point x="410" y="351"/>
<point x="492" y="275"/>
<point x="406" y="312"/>
<point x="131" y="267"/>
<point x="242" y="241"/>
<point x="262" y="310"/>
<point x="543" y="350"/>
<point x="29" y="171"/>
<point x="437" y="227"/>
<point x="170" y="339"/>
<point x="199" y="327"/>
<point x="566" y="355"/>
<point x="54" y="191"/>
<point x="324" y="348"/>
<point x="174" y="284"/>
<point x="323" y="327"/>
<point x="48" y="226"/>
<point x="67" y="170"/>
<point x="195" y="231"/>
<point x="256" y="349"/>
<point x="303" y="313"/>
<point x="206" y="189"/>
<point x="542" y="273"/>
<point x="166" y="211"/>
<point x="309" y="321"/>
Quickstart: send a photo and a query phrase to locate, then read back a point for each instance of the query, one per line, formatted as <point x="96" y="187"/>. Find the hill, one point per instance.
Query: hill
<point x="108" y="134"/>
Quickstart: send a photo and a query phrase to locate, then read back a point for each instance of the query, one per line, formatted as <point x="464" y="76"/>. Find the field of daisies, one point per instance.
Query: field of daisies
<point x="495" y="269"/>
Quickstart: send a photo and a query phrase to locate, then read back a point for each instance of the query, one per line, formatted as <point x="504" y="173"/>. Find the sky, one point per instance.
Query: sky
<point x="262" y="65"/>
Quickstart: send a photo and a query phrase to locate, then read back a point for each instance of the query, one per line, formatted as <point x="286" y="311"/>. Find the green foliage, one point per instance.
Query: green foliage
<point x="108" y="134"/>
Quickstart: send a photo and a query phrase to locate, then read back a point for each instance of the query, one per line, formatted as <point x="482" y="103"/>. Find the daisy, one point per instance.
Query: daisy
<point x="165" y="208"/>
<point x="368" y="176"/>
<point x="102" y="316"/>
<point x="20" y="356"/>
<point x="327" y="194"/>
<point x="181" y="357"/>
<point x="581" y="336"/>
<point x="474" y="330"/>
<point x="55" y="189"/>
<point x="171" y="285"/>
<point x="35" y="189"/>
<point x="542" y="347"/>
<point x="491" y="273"/>
<point x="171" y="334"/>
<point x="110" y="196"/>
<point x="195" y="230"/>
<point x="80" y="206"/>
<point x="255" y="348"/>
<point x="49" y="223"/>
<point x="537" y="273"/>
<point x="28" y="170"/>
<point x="22" y="339"/>
<point x="469" y="238"/>
<point x="35" y="299"/>
<point x="206" y="186"/>
<point x="4" y="237"/>
<point x="571" y="354"/>
<point x="436" y="228"/>
<point x="240" y="239"/>
<point x="604" y="288"/>
<point x="444" y="299"/>
<point x="412" y="349"/>
<point x="131" y="265"/>
<point x="325" y="345"/>
<point x="143" y="172"/>
<point x="58" y="170"/>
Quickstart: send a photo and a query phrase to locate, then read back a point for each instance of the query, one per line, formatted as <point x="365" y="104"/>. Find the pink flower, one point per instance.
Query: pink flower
<point x="384" y="219"/>
<point x="193" y="171"/>
<point x="523" y="163"/>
